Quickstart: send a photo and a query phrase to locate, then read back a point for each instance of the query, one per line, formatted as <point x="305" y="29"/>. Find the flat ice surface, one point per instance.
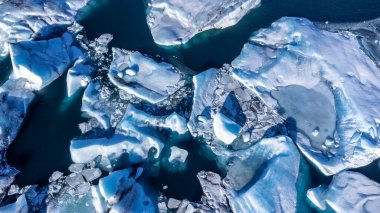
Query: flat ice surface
<point x="275" y="188"/>
<point x="294" y="61"/>
<point x="20" y="206"/>
<point x="348" y="191"/>
<point x="144" y="77"/>
<point x="22" y="20"/>
<point x="174" y="22"/>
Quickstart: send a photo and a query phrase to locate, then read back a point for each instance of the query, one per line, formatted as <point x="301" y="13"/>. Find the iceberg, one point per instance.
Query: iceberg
<point x="174" y="22"/>
<point x="41" y="62"/>
<point x="20" y="206"/>
<point x="143" y="77"/>
<point x="25" y="20"/>
<point x="347" y="191"/>
<point x="123" y="193"/>
<point x="135" y="135"/>
<point x="224" y="112"/>
<point x="274" y="164"/>
<point x="177" y="155"/>
<point x="302" y="72"/>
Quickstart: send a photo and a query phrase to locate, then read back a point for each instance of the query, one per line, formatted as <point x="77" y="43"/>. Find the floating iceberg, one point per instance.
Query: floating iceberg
<point x="304" y="73"/>
<point x="135" y="135"/>
<point x="20" y="206"/>
<point x="348" y="191"/>
<point x="174" y="21"/>
<point x="225" y="111"/>
<point x="26" y="19"/>
<point x="41" y="62"/>
<point x="274" y="164"/>
<point x="144" y="77"/>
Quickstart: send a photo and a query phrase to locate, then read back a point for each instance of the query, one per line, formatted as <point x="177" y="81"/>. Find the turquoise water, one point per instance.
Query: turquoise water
<point x="43" y="144"/>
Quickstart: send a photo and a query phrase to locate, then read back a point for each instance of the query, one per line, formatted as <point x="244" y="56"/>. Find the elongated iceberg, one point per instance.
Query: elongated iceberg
<point x="321" y="82"/>
<point x="174" y="22"/>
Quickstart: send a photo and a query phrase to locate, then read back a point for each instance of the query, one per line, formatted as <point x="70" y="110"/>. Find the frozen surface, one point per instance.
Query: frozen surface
<point x="300" y="69"/>
<point x="225" y="112"/>
<point x="275" y="163"/>
<point x="41" y="62"/>
<point x="144" y="77"/>
<point x="135" y="135"/>
<point x="175" y="21"/>
<point x="123" y="193"/>
<point x="20" y="206"/>
<point x="78" y="76"/>
<point x="22" y="20"/>
<point x="177" y="155"/>
<point x="348" y="191"/>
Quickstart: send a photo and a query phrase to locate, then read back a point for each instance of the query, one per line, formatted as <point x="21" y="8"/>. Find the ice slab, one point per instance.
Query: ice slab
<point x="173" y="22"/>
<point x="177" y="155"/>
<point x="20" y="206"/>
<point x="27" y="19"/>
<point x="135" y="135"/>
<point x="323" y="83"/>
<point x="275" y="187"/>
<point x="41" y="62"/>
<point x="348" y="191"/>
<point x="78" y="76"/>
<point x="144" y="77"/>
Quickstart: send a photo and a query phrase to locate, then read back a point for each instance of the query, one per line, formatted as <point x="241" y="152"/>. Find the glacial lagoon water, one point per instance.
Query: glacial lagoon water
<point x="42" y="145"/>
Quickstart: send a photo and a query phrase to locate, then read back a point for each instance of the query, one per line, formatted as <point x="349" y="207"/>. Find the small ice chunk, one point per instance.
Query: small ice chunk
<point x="76" y="167"/>
<point x="91" y="174"/>
<point x="13" y="189"/>
<point x="225" y="129"/>
<point x="55" y="176"/>
<point x="177" y="155"/>
<point x="173" y="203"/>
<point x="74" y="179"/>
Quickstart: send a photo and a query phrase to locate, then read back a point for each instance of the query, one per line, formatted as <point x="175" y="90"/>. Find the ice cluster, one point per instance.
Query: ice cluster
<point x="173" y="22"/>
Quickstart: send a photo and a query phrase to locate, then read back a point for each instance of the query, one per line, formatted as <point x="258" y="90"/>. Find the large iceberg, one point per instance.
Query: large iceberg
<point x="41" y="62"/>
<point x="22" y="20"/>
<point x="143" y="77"/>
<point x="176" y="21"/>
<point x="348" y="191"/>
<point x="321" y="82"/>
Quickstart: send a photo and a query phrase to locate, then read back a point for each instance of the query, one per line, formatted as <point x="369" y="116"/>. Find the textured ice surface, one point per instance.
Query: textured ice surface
<point x="123" y="193"/>
<point x="22" y="20"/>
<point x="177" y="155"/>
<point x="176" y="21"/>
<point x="348" y="191"/>
<point x="300" y="70"/>
<point x="275" y="164"/>
<point x="41" y="62"/>
<point x="144" y="77"/>
<point x="225" y="111"/>
<point x="135" y="135"/>
<point x="20" y="206"/>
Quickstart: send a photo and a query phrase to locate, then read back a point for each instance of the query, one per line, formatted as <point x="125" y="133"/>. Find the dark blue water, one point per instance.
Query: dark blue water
<point x="43" y="144"/>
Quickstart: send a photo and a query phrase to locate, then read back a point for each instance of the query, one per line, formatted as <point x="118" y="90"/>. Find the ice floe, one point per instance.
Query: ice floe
<point x="174" y="22"/>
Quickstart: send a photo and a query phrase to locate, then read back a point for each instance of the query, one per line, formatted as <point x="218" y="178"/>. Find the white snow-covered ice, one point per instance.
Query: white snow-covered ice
<point x="174" y="22"/>
<point x="324" y="83"/>
<point x="348" y="191"/>
<point x="143" y="77"/>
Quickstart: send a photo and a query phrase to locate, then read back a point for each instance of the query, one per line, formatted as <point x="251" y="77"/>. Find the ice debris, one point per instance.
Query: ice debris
<point x="173" y="22"/>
